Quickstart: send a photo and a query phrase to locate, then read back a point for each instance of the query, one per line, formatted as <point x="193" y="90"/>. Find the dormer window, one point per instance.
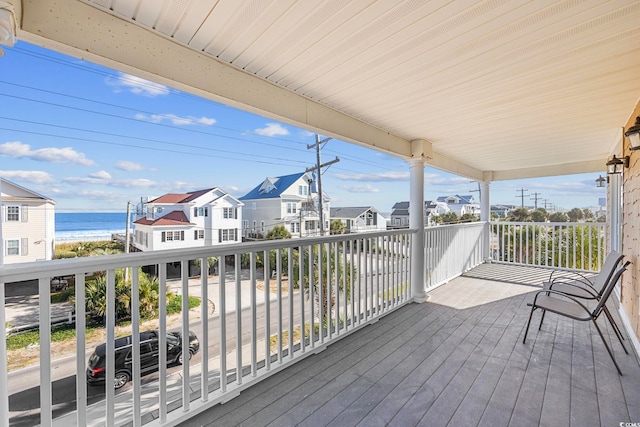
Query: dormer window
<point x="267" y="186"/>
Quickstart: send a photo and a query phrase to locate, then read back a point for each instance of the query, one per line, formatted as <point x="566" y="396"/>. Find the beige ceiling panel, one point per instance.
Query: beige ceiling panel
<point x="499" y="88"/>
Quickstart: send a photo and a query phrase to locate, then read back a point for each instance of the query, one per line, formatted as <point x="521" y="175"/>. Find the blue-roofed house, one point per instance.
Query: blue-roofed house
<point x="461" y="204"/>
<point x="290" y="201"/>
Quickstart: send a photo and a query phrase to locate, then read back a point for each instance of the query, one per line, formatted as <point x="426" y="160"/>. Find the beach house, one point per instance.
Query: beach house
<point x="461" y="205"/>
<point x="28" y="225"/>
<point x="196" y="219"/>
<point x="359" y="219"/>
<point x="400" y="212"/>
<point x="290" y="201"/>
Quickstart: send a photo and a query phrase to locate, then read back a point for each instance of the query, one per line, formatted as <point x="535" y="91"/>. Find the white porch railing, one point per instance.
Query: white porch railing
<point x="579" y="246"/>
<point x="321" y="289"/>
<point x="450" y="250"/>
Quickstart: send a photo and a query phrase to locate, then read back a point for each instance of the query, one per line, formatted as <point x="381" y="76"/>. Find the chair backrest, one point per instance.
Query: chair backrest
<point x="604" y="276"/>
<point x="608" y="289"/>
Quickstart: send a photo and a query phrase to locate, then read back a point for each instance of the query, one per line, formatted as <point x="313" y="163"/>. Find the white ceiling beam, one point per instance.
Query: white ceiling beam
<point x="595" y="166"/>
<point x="77" y="29"/>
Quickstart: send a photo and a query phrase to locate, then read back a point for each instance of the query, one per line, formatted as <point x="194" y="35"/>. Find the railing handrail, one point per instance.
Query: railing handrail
<point x="59" y="267"/>
<point x="550" y="224"/>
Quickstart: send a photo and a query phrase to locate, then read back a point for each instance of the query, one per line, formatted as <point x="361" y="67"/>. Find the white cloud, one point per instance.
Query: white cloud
<point x="435" y="179"/>
<point x="176" y="120"/>
<point x="177" y="186"/>
<point x="35" y="177"/>
<point x="272" y="129"/>
<point x="366" y="188"/>
<point x="101" y="175"/>
<point x="137" y="85"/>
<point x="374" y="177"/>
<point x="138" y="183"/>
<point x="126" y="165"/>
<point x="52" y="155"/>
<point x="81" y="180"/>
<point x="95" y="195"/>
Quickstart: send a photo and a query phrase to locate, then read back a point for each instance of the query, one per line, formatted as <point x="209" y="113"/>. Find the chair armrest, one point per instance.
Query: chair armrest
<point x="573" y="275"/>
<point x="575" y="283"/>
<point x="549" y="291"/>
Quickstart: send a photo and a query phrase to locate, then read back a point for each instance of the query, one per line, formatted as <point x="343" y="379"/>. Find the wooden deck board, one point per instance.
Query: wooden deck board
<point x="456" y="360"/>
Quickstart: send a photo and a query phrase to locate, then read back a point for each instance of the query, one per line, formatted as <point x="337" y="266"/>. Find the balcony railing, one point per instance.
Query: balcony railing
<point x="276" y="302"/>
<point x="450" y="250"/>
<point x="579" y="246"/>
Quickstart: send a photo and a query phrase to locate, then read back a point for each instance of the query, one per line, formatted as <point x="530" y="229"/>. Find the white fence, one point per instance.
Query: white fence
<point x="579" y="246"/>
<point x="450" y="250"/>
<point x="316" y="291"/>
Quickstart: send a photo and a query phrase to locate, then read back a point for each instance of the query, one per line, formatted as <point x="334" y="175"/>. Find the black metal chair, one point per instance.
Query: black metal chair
<point x="571" y="307"/>
<point x="579" y="285"/>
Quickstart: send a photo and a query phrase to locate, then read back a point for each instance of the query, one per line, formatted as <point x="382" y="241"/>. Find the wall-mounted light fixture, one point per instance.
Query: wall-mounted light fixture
<point x="600" y="181"/>
<point x="633" y="133"/>
<point x="614" y="166"/>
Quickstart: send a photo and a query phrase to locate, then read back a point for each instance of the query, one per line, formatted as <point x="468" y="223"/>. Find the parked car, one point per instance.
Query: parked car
<point x="149" y="354"/>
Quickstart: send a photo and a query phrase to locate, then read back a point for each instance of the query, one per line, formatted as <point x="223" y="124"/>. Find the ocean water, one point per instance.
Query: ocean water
<point x="89" y="225"/>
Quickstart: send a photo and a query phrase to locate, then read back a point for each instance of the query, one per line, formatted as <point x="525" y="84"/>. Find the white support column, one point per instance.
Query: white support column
<point x="485" y="216"/>
<point x="614" y="211"/>
<point x="416" y="220"/>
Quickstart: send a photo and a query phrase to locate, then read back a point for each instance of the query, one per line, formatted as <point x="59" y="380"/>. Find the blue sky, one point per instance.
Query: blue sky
<point x="93" y="139"/>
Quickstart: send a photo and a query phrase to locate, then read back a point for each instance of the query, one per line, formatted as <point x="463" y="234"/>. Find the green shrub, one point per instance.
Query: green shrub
<point x="65" y="255"/>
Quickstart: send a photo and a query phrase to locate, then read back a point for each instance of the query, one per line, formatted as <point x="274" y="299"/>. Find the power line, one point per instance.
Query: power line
<point x="199" y="147"/>
<point x="148" y="148"/>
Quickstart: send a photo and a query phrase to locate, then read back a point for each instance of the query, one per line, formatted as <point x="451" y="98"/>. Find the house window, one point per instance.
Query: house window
<point x="292" y="208"/>
<point x="229" y="213"/>
<point x="261" y="225"/>
<point x="204" y="211"/>
<point x="228" y="235"/>
<point x="303" y="190"/>
<point x="168" y="236"/>
<point x="245" y="224"/>
<point x="13" y="213"/>
<point x="13" y="247"/>
<point x="254" y="225"/>
<point x="295" y="227"/>
<point x="198" y="234"/>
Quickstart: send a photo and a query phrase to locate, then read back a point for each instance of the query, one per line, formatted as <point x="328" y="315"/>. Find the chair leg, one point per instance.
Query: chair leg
<point x="607" y="346"/>
<point x="542" y="319"/>
<point x="615" y="328"/>
<point x="526" y="331"/>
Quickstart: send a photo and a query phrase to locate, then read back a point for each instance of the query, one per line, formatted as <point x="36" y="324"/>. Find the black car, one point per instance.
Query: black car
<point x="149" y="355"/>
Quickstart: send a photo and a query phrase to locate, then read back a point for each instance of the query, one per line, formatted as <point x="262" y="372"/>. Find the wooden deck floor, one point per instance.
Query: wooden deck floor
<point x="457" y="360"/>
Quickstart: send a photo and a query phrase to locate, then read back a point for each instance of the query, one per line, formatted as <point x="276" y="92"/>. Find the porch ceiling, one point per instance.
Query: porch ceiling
<point x="500" y="89"/>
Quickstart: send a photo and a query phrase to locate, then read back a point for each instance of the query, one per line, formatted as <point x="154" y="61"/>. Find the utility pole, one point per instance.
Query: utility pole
<point x="521" y="191"/>
<point x="535" y="199"/>
<point x="319" y="167"/>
